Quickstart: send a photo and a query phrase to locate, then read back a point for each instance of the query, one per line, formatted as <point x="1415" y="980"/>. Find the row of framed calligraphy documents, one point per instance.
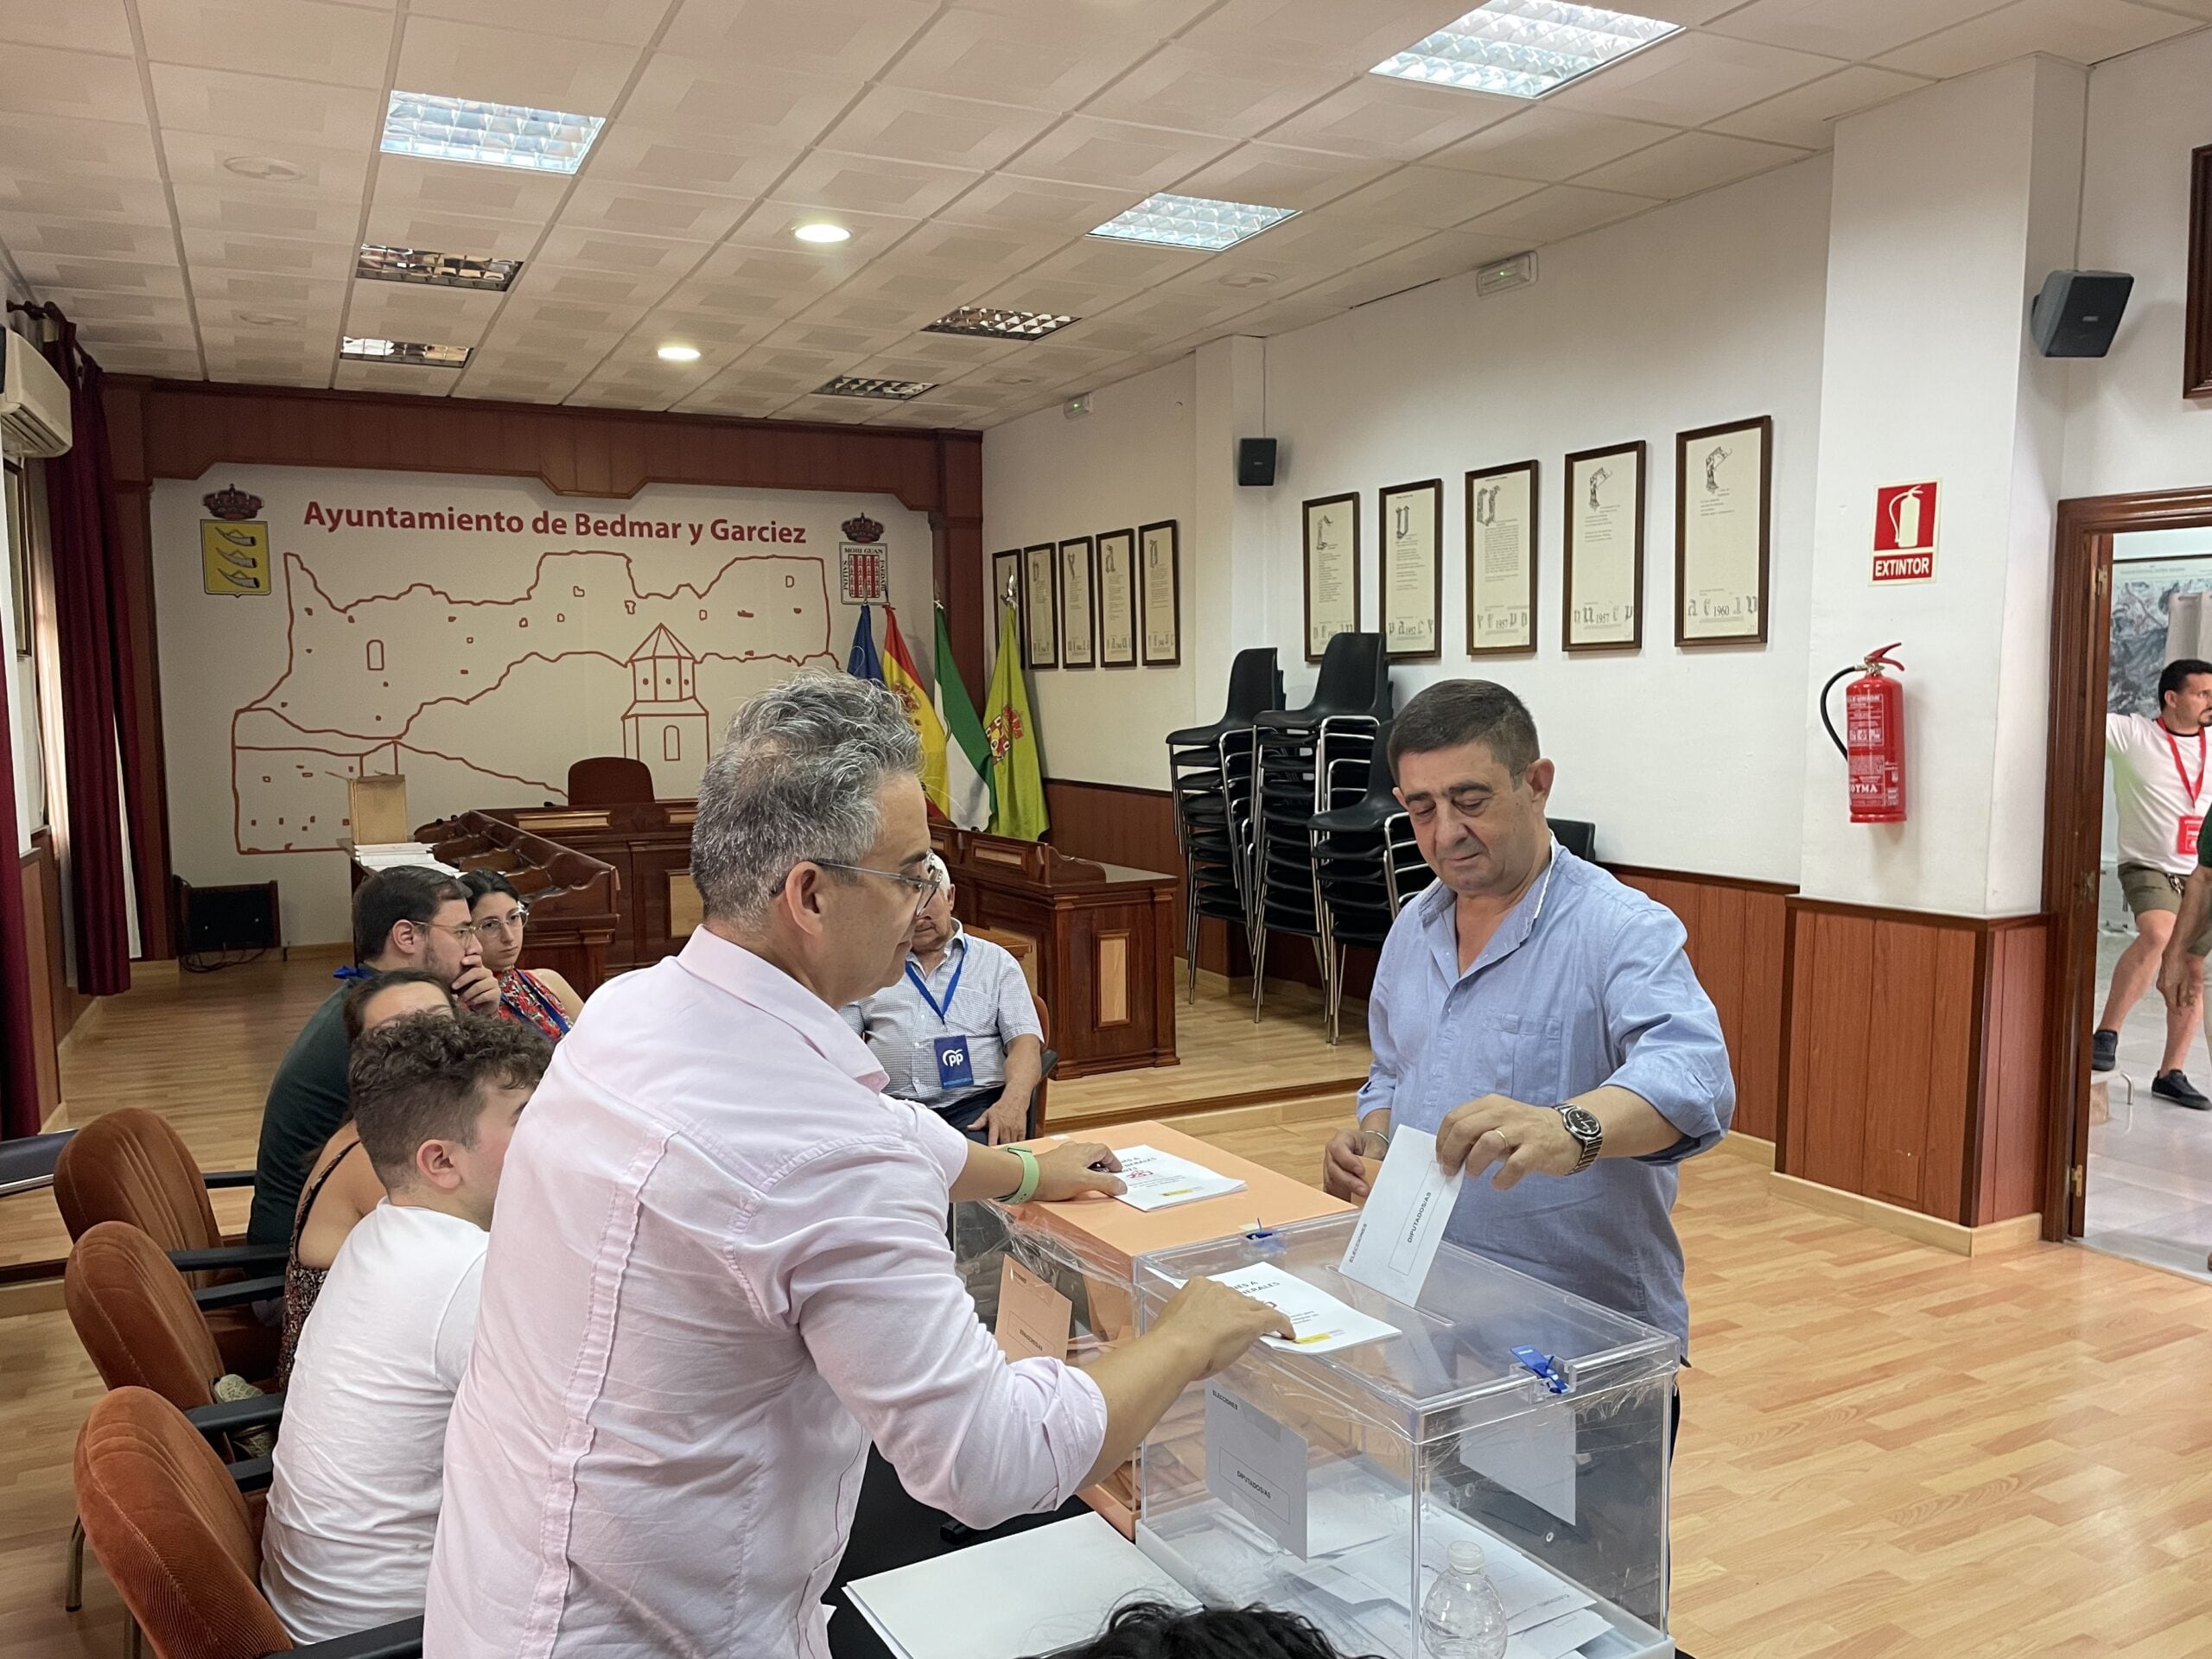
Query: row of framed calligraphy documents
<point x="1110" y="601"/>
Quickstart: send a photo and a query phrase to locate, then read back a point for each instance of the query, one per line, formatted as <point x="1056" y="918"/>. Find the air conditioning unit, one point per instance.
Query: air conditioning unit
<point x="34" y="402"/>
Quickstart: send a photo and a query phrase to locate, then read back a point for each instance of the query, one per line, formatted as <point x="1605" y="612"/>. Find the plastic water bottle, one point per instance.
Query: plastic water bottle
<point x="1461" y="1617"/>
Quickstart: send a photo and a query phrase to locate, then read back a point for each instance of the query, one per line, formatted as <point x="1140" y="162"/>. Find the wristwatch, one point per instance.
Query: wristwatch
<point x="1589" y="1134"/>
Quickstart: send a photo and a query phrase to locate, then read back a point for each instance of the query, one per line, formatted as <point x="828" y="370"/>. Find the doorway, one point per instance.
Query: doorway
<point x="2120" y="564"/>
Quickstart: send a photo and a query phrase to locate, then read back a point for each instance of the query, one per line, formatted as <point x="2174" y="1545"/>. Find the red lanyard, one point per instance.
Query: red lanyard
<point x="2179" y="771"/>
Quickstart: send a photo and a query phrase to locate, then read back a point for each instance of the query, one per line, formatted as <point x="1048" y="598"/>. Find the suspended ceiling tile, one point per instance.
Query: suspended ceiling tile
<point x="523" y="315"/>
<point x="1061" y="296"/>
<point x="1325" y="240"/>
<point x="967" y="54"/>
<point x="743" y="308"/>
<point x="251" y="372"/>
<point x="1433" y="198"/>
<point x="735" y="267"/>
<point x="953" y="357"/>
<point x="1853" y="30"/>
<point x="1003" y="201"/>
<point x="841" y="340"/>
<point x="73" y="86"/>
<point x="918" y="294"/>
<point x="1281" y="176"/>
<point x="2083" y="31"/>
<point x="795" y="363"/>
<point x="1231" y="95"/>
<point x="686" y="100"/>
<point x="209" y="206"/>
<point x="978" y="256"/>
<point x="81" y="25"/>
<point x="1348" y="38"/>
<point x="26" y="195"/>
<point x="582" y="286"/>
<point x="44" y="239"/>
<point x="1136" y="159"/>
<point x="1690" y="162"/>
<point x="734" y="402"/>
<point x="512" y="66"/>
<point x="412" y="311"/>
<point x="849" y="37"/>
<point x="272" y="113"/>
<point x="658" y="159"/>
<point x="216" y="289"/>
<point x="49" y="147"/>
<point x="198" y="158"/>
<point x="1807" y="116"/>
<point x="1557" y="211"/>
<point x="875" y="313"/>
<point x="907" y="125"/>
<point x="281" y="255"/>
<point x="400" y="225"/>
<point x="833" y="411"/>
<point x="172" y="313"/>
<point x="299" y="39"/>
<point x="716" y="337"/>
<point x="1690" y="80"/>
<point x="165" y="365"/>
<point x="408" y="380"/>
<point x="1284" y="316"/>
<point x="638" y="210"/>
<point x="413" y="183"/>
<point x="1109" y="266"/>
<point x="62" y="276"/>
<point x="585" y="247"/>
<point x="1392" y="120"/>
<point x="618" y="22"/>
<point x="1550" y="144"/>
<point x="867" y="184"/>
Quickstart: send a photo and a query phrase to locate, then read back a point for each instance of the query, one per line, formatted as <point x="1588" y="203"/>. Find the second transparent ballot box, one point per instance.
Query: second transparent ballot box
<point x="1500" y="1412"/>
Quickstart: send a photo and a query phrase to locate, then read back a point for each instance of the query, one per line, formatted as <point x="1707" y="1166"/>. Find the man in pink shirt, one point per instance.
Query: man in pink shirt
<point x="720" y="1267"/>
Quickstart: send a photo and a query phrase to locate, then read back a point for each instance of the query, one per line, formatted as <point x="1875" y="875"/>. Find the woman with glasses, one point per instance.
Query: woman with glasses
<point x="541" y="998"/>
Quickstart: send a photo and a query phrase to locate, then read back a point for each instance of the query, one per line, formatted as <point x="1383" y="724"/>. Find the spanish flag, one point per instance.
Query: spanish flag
<point x="901" y="675"/>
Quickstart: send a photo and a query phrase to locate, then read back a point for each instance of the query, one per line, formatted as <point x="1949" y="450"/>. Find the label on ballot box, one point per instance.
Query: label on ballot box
<point x="1034" y="1318"/>
<point x="1256" y="1466"/>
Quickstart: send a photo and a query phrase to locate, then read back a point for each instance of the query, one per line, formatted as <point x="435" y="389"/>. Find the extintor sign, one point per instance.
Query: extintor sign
<point x="1904" y="532"/>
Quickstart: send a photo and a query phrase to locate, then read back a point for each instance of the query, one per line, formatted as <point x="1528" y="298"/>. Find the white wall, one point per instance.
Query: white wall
<point x="1130" y="462"/>
<point x="2128" y="426"/>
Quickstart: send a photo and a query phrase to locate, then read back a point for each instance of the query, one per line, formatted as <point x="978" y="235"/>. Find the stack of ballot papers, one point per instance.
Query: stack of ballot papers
<point x="1154" y="1179"/>
<point x="390" y="854"/>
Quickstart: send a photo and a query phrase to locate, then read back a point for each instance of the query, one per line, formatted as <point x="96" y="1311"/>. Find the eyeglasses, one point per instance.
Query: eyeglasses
<point x="503" y="925"/>
<point x="463" y="930"/>
<point x="926" y="886"/>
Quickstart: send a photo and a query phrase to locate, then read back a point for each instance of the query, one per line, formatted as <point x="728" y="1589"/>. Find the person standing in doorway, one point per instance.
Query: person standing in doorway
<point x="2158" y="780"/>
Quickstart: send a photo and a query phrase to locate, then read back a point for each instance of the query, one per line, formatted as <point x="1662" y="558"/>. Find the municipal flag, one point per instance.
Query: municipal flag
<point x="1018" y="781"/>
<point x="967" y="751"/>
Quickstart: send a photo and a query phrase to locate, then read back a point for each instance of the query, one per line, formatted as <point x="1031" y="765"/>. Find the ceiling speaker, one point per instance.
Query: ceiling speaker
<point x="2078" y="312"/>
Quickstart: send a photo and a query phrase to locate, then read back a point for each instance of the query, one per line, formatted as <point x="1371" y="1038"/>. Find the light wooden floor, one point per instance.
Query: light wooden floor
<point x="1886" y="1451"/>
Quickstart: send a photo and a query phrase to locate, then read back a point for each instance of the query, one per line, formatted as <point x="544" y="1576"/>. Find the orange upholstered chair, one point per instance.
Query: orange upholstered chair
<point x="183" y="1543"/>
<point x="609" y="780"/>
<point x="132" y="1165"/>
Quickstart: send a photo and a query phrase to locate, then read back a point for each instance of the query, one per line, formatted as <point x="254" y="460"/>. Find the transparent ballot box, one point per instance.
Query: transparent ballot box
<point x="1334" y="1484"/>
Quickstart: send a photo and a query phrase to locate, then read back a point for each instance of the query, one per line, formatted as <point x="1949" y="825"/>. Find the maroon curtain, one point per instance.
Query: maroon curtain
<point x="19" y="1101"/>
<point x="93" y="647"/>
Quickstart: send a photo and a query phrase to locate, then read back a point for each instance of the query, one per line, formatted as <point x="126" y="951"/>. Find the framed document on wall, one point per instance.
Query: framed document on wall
<point x="1502" y="560"/>
<point x="1118" y="599"/>
<point x="1602" y="602"/>
<point x="1040" y="607"/>
<point x="1078" y="589"/>
<point x="1411" y="552"/>
<point x="1159" y="569"/>
<point x="1331" y="570"/>
<point x="1723" y="476"/>
<point x="1006" y="585"/>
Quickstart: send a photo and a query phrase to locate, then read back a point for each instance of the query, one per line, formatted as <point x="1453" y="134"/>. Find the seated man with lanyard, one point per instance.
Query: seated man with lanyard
<point x="957" y="1032"/>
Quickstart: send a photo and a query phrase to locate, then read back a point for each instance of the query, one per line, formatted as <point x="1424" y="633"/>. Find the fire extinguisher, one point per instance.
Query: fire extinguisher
<point x="1873" y="718"/>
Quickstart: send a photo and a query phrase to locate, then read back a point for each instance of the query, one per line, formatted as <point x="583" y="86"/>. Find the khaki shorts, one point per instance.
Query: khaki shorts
<point x="2147" y="889"/>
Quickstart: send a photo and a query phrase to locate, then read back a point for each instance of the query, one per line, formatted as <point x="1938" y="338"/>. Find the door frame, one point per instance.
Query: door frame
<point x="2073" y="826"/>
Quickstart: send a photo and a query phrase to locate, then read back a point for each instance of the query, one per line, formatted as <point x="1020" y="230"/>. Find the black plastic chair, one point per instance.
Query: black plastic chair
<point x="1210" y="772"/>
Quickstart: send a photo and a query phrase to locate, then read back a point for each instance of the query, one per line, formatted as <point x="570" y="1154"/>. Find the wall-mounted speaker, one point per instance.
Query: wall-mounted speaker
<point x="213" y="922"/>
<point x="1255" y="461"/>
<point x="2078" y="312"/>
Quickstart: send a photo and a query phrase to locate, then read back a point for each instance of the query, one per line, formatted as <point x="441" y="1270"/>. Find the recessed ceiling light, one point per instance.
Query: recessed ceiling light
<point x="1524" y="48"/>
<point x="849" y="386"/>
<point x="266" y="166"/>
<point x="380" y="264"/>
<point x="1192" y="222"/>
<point x="995" y="322"/>
<point x="1249" y="279"/>
<point x="490" y="135"/>
<point x="1016" y="379"/>
<point x="822" y="232"/>
<point x="403" y="351"/>
<point x="267" y="319"/>
<point x="678" y="354"/>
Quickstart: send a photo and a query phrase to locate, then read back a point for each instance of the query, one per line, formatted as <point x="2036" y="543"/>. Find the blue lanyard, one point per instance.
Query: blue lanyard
<point x="943" y="1009"/>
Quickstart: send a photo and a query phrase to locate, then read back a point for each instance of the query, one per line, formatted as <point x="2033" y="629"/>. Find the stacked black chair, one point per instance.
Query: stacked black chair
<point x="1311" y="761"/>
<point x="1209" y="770"/>
<point x="1366" y="865"/>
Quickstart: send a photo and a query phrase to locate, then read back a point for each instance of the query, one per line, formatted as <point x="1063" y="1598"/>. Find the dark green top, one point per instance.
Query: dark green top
<point x="306" y="1102"/>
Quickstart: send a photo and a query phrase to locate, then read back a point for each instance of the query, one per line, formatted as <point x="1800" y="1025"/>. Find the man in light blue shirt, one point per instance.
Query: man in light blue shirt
<point x="1540" y="1019"/>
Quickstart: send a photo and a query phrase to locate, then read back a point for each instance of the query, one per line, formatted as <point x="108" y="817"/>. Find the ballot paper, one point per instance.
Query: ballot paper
<point x="1322" y="1323"/>
<point x="1403" y="1220"/>
<point x="1153" y="1179"/>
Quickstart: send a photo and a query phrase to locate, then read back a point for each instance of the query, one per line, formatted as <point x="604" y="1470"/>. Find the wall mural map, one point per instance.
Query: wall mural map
<point x="477" y="636"/>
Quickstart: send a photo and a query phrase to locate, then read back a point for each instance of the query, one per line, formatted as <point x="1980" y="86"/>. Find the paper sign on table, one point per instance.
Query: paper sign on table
<point x="1256" y="1465"/>
<point x="1033" y="1317"/>
<point x="1154" y="1179"/>
<point x="1403" y="1220"/>
<point x="1322" y="1323"/>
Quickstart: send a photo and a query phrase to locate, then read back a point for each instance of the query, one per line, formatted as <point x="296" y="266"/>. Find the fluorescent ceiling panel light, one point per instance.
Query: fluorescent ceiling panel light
<point x="994" y="323"/>
<point x="1192" y="222"/>
<point x="382" y="265"/>
<point x="1524" y="48"/>
<point x="823" y="233"/>
<point x="897" y="392"/>
<point x="491" y="135"/>
<point x="678" y="354"/>
<point x="372" y="350"/>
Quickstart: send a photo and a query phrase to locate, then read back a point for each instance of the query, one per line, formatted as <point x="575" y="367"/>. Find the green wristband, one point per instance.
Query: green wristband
<point x="1032" y="1175"/>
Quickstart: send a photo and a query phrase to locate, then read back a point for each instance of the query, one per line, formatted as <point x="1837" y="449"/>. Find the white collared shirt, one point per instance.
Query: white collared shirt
<point x="718" y="1271"/>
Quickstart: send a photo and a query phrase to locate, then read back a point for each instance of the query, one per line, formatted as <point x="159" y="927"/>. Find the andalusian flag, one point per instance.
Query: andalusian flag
<point x="1018" y="783"/>
<point x="905" y="680"/>
<point x="967" y="751"/>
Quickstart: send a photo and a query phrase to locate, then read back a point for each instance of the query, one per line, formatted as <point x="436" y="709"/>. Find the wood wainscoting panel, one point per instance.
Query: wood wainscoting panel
<point x="686" y="910"/>
<point x="1112" y="951"/>
<point x="2008" y="1176"/>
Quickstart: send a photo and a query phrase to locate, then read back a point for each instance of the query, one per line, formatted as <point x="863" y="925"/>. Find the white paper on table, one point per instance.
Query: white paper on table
<point x="1531" y="1455"/>
<point x="1322" y="1323"/>
<point x="1256" y="1465"/>
<point x="1153" y="1179"/>
<point x="1557" y="1637"/>
<point x="1035" y="1591"/>
<point x="1404" y="1219"/>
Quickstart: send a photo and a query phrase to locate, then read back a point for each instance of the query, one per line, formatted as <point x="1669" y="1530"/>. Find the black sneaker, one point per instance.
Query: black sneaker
<point x="2173" y="1086"/>
<point x="2104" y="1050"/>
